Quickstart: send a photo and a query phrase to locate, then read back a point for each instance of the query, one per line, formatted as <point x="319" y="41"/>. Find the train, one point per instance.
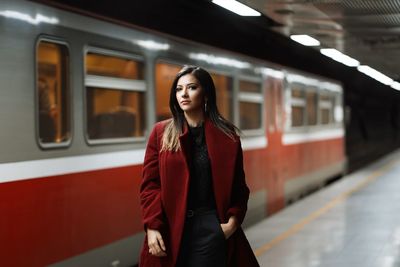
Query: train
<point x="79" y="97"/>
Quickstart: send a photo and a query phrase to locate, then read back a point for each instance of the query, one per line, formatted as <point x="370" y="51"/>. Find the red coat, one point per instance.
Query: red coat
<point x="165" y="185"/>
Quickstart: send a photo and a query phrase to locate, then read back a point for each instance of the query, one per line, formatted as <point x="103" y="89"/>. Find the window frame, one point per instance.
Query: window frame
<point x="320" y="87"/>
<point x="251" y="97"/>
<point x="69" y="94"/>
<point x="313" y="89"/>
<point x="298" y="103"/>
<point x="326" y="104"/>
<point x="90" y="80"/>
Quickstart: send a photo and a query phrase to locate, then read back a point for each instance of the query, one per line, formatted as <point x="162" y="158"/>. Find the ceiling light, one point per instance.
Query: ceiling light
<point x="237" y="7"/>
<point x="395" y="85"/>
<point x="340" y="57"/>
<point x="375" y="74"/>
<point x="305" y="40"/>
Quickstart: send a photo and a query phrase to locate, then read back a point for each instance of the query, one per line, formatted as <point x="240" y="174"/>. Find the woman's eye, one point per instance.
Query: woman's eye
<point x="193" y="87"/>
<point x="178" y="89"/>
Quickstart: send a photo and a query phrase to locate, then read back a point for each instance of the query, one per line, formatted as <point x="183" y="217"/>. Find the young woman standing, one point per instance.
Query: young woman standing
<point x="193" y="193"/>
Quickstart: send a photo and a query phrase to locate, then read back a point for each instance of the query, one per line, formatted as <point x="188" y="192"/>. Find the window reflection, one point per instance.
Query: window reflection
<point x="115" y="100"/>
<point x="53" y="92"/>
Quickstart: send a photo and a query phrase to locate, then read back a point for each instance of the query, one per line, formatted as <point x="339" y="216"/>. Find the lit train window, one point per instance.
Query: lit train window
<point x="54" y="127"/>
<point x="298" y="105"/>
<point x="326" y="105"/>
<point x="115" y="93"/>
<point x="250" y="107"/>
<point x="311" y="98"/>
<point x="165" y="75"/>
<point x="223" y="89"/>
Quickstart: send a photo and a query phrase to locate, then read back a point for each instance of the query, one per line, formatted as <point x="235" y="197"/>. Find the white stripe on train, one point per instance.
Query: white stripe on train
<point x="16" y="171"/>
<point x="304" y="137"/>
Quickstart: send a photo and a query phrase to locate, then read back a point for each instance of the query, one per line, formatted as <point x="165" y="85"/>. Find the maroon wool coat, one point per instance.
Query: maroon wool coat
<point x="165" y="185"/>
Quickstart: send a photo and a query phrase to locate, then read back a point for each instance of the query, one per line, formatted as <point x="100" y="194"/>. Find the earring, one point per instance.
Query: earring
<point x="205" y="106"/>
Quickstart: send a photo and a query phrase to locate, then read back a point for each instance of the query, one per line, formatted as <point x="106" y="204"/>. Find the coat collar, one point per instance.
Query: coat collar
<point x="214" y="137"/>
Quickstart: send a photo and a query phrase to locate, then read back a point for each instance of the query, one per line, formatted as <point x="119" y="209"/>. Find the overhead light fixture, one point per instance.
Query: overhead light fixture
<point x="305" y="39"/>
<point x="395" y="85"/>
<point x="237" y="7"/>
<point x="340" y="57"/>
<point x="375" y="74"/>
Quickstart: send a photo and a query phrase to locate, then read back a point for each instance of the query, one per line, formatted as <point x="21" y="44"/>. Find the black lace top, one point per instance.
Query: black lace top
<point x="201" y="193"/>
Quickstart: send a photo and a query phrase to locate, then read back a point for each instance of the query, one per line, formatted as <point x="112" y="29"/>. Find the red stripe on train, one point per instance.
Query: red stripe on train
<point x="49" y="219"/>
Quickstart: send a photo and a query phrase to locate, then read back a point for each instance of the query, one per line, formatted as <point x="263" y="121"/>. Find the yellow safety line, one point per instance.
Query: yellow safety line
<point x="331" y="204"/>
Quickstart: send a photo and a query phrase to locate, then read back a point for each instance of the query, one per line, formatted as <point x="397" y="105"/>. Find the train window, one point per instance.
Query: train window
<point x="115" y="89"/>
<point x="311" y="98"/>
<point x="54" y="126"/>
<point x="109" y="66"/>
<point x="326" y="108"/>
<point x="250" y="108"/>
<point x="251" y="87"/>
<point x="165" y="75"/>
<point x="298" y="105"/>
<point x="223" y="90"/>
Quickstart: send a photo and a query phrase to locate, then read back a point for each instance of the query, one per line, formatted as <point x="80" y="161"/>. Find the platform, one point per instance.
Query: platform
<point x="355" y="222"/>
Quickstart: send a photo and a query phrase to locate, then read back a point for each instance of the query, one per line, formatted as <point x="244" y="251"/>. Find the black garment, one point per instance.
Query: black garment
<point x="201" y="193"/>
<point x="203" y="242"/>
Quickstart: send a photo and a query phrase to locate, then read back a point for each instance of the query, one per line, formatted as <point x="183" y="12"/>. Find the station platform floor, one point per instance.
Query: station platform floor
<point x="354" y="222"/>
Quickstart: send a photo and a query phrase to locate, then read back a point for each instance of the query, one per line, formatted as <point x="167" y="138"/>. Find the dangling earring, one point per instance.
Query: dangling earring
<point x="205" y="106"/>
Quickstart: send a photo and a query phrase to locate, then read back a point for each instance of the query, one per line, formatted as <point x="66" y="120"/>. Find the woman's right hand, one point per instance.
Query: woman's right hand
<point x="155" y="243"/>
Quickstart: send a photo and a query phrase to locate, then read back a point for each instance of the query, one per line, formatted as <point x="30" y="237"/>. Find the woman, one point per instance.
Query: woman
<point x="193" y="193"/>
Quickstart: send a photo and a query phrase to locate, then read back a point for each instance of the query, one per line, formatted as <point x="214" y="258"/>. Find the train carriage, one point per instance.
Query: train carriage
<point x="78" y="98"/>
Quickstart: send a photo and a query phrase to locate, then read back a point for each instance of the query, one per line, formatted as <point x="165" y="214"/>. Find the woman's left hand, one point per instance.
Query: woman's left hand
<point x="230" y="227"/>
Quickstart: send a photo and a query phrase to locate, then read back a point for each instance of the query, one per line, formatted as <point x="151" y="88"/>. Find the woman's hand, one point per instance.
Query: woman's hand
<point x="156" y="243"/>
<point x="230" y="227"/>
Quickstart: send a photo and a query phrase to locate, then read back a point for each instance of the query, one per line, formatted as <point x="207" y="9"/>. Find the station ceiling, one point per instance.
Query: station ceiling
<point x="367" y="30"/>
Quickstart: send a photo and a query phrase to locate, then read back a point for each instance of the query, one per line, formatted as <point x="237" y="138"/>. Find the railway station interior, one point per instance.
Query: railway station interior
<point x="313" y="87"/>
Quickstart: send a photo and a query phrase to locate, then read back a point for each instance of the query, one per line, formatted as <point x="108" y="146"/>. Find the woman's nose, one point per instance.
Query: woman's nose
<point x="184" y="93"/>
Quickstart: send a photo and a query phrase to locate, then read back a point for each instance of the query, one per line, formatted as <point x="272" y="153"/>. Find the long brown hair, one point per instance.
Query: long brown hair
<point x="174" y="127"/>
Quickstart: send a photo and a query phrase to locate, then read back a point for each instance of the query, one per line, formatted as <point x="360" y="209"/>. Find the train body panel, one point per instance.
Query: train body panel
<point x="72" y="198"/>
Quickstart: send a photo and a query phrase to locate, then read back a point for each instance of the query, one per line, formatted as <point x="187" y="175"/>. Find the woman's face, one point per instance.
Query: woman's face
<point x="189" y="94"/>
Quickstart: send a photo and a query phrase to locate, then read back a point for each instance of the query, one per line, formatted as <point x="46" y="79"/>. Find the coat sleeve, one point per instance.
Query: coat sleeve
<point x="150" y="188"/>
<point x="240" y="191"/>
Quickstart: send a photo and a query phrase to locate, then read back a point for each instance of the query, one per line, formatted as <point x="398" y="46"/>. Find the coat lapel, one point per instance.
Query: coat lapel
<point x="222" y="152"/>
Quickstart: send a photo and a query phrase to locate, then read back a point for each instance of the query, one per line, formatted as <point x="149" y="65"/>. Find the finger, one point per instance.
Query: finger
<point x="160" y="254"/>
<point x="161" y="242"/>
<point x="156" y="248"/>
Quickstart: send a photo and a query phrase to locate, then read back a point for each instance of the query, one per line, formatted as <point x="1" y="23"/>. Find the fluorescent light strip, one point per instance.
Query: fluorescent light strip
<point x="340" y="57"/>
<point x="237" y="7"/>
<point x="305" y="40"/>
<point x="395" y="85"/>
<point x="375" y="74"/>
